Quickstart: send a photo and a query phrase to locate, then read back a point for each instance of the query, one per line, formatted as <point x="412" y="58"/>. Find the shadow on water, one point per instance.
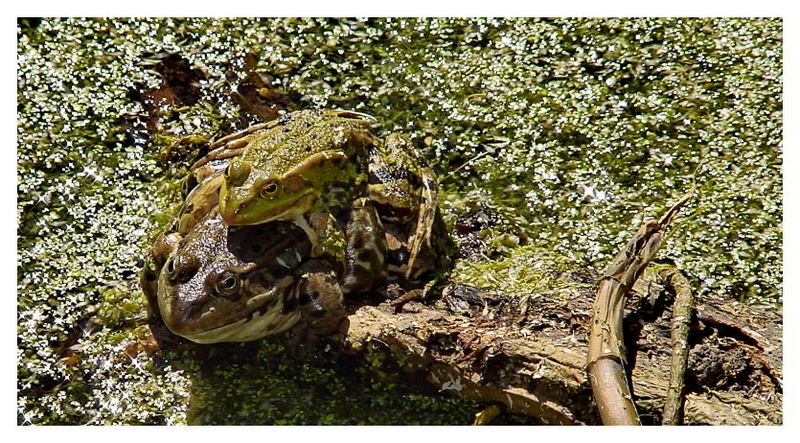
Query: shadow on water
<point x="261" y="383"/>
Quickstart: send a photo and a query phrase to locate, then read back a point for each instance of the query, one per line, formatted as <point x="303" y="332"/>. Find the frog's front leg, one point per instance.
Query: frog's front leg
<point x="200" y="201"/>
<point x="325" y="237"/>
<point x="354" y="240"/>
<point x="321" y="302"/>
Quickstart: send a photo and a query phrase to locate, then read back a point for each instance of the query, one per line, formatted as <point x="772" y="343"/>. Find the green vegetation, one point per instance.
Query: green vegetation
<point x="572" y="130"/>
<point x="269" y="387"/>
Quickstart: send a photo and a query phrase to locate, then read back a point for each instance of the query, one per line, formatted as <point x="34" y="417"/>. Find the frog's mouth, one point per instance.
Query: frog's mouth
<point x="257" y="212"/>
<point x="261" y="315"/>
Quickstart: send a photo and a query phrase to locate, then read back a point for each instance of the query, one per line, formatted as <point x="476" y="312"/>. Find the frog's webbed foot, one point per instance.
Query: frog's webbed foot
<point x="231" y="145"/>
<point x="419" y="294"/>
<point x="411" y="295"/>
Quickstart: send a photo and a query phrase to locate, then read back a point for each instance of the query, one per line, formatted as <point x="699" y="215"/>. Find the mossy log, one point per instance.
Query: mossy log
<point x="533" y="361"/>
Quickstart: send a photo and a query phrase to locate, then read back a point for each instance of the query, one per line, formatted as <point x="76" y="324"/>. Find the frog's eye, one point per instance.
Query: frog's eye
<point x="227" y="285"/>
<point x="270" y="189"/>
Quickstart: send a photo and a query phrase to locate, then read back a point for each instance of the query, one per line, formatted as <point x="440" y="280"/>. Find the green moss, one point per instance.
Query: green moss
<point x="262" y="385"/>
<point x="119" y="307"/>
<point x="526" y="271"/>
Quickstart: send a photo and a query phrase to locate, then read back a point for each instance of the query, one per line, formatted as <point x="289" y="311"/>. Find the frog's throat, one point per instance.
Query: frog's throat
<point x="254" y="327"/>
<point x="257" y="323"/>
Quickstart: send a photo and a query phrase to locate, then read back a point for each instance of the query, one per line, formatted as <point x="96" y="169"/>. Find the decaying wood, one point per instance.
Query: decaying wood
<point x="536" y="367"/>
<point x="534" y="363"/>
<point x="476" y="359"/>
<point x="681" y="318"/>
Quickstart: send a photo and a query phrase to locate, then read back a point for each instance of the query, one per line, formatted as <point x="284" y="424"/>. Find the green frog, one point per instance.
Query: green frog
<point x="221" y="283"/>
<point x="317" y="169"/>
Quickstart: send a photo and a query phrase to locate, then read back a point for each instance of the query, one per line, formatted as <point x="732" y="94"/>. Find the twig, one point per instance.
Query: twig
<point x="467" y="163"/>
<point x="605" y="362"/>
<point x="681" y="318"/>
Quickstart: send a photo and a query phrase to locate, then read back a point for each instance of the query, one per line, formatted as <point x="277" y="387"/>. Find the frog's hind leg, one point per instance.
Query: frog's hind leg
<point x="401" y="180"/>
<point x="421" y="240"/>
<point x="365" y="250"/>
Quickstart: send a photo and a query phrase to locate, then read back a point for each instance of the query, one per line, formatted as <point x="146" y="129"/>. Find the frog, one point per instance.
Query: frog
<point x="198" y="231"/>
<point x="317" y="163"/>
<point x="315" y="168"/>
<point x="224" y="283"/>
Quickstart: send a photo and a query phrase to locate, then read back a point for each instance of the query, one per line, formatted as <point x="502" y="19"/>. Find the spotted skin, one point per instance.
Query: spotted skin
<point x="405" y="191"/>
<point x="325" y="162"/>
<point x="366" y="248"/>
<point x="225" y="283"/>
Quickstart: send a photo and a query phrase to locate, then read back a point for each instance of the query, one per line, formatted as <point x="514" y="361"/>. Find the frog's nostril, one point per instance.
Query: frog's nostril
<point x="185" y="268"/>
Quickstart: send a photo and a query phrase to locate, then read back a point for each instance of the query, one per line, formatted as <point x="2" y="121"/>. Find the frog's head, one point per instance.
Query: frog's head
<point x="279" y="190"/>
<point x="282" y="170"/>
<point x="228" y="284"/>
<point x="223" y="305"/>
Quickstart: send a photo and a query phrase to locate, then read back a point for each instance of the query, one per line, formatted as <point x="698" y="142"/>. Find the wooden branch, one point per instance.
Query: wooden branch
<point x="606" y="361"/>
<point x="681" y="318"/>
<point x="455" y="351"/>
<point x="537" y="368"/>
<point x="534" y="364"/>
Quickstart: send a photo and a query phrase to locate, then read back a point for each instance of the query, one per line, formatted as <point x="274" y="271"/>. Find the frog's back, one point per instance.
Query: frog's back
<point x="301" y="134"/>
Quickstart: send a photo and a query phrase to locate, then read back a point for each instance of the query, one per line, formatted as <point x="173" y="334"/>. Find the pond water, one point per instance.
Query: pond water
<point x="571" y="132"/>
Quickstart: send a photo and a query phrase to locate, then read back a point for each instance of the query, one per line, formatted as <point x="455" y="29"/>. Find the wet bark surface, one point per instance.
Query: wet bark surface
<point x="530" y="357"/>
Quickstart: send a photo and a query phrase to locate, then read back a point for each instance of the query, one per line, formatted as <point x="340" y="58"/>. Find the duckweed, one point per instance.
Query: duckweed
<point x="574" y="129"/>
